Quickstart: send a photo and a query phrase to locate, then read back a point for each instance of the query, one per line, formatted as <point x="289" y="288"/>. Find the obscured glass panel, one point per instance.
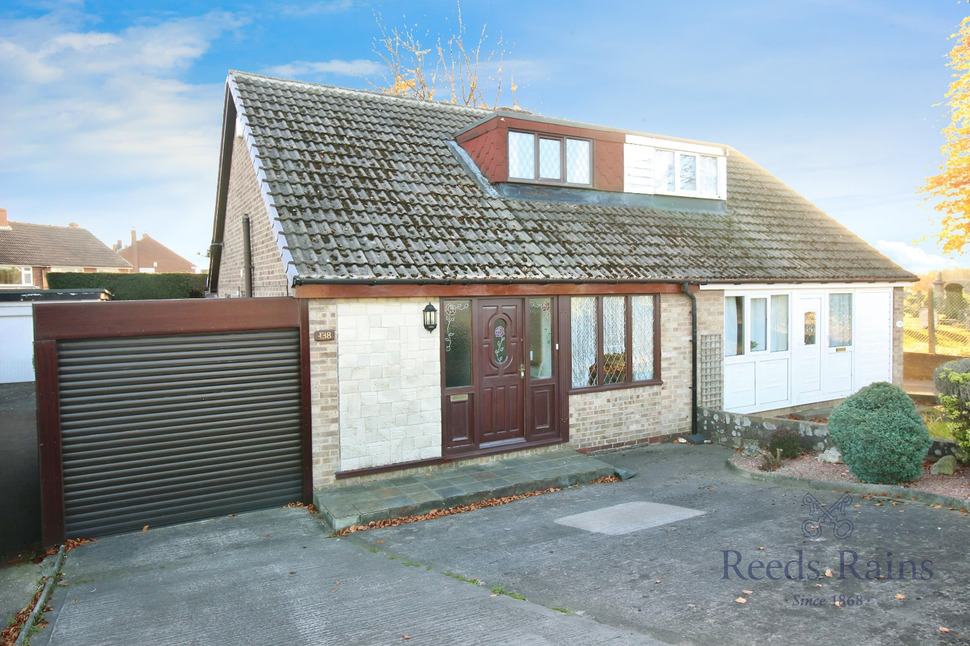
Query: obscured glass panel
<point x="540" y="338"/>
<point x="550" y="159"/>
<point x="759" y="324"/>
<point x="614" y="339"/>
<point x="664" y="171"/>
<point x="733" y="326"/>
<point x="458" y="343"/>
<point x="582" y="333"/>
<point x="643" y="317"/>
<point x="688" y="173"/>
<point x="522" y="155"/>
<point x="810" y="328"/>
<point x="779" y="323"/>
<point x="840" y="320"/>
<point x="577" y="161"/>
<point x="12" y="276"/>
<point x="707" y="176"/>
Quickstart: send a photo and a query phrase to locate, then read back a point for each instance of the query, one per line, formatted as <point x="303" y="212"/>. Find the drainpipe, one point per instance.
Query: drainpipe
<point x="247" y="259"/>
<point x="694" y="437"/>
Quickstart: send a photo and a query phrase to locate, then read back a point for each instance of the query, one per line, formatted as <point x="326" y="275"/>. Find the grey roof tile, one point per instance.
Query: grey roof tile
<point x="42" y="245"/>
<point x="366" y="186"/>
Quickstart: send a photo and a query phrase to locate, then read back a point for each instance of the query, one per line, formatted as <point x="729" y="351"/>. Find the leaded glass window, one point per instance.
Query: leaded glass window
<point x="624" y="351"/>
<point x="577" y="161"/>
<point x="522" y="155"/>
<point x="550" y="158"/>
<point x="543" y="158"/>
<point x="583" y="340"/>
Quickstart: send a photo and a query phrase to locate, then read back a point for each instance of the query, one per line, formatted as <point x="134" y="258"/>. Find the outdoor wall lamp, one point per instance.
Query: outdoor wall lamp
<point x="430" y="318"/>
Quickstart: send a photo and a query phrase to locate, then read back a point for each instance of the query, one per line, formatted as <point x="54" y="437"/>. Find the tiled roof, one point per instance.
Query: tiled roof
<point x="42" y="245"/>
<point x="367" y="187"/>
<point x="152" y="254"/>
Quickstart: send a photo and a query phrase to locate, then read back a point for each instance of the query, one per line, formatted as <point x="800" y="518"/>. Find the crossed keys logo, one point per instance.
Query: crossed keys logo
<point x="820" y="514"/>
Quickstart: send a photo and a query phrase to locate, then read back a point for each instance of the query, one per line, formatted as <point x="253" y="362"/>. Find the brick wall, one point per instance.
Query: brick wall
<point x="390" y="383"/>
<point x="324" y="404"/>
<point x="614" y="418"/>
<point x="710" y="355"/>
<point x="898" y="296"/>
<point x="269" y="275"/>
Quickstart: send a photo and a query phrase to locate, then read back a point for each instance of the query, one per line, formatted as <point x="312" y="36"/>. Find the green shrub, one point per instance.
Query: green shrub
<point x="134" y="287"/>
<point x="786" y="440"/>
<point x="953" y="386"/>
<point x="880" y="434"/>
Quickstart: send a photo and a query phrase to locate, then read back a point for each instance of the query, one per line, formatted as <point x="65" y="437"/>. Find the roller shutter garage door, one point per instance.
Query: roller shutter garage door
<point x="171" y="428"/>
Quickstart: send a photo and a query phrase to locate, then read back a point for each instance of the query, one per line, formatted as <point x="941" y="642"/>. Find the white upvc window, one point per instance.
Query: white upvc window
<point x="756" y="324"/>
<point x="16" y="276"/>
<point x="683" y="173"/>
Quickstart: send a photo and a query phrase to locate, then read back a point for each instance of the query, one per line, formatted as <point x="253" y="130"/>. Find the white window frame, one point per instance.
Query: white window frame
<point x="26" y="277"/>
<point x="747" y="323"/>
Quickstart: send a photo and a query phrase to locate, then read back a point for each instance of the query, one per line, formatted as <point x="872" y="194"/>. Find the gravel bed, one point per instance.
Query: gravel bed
<point x="807" y="467"/>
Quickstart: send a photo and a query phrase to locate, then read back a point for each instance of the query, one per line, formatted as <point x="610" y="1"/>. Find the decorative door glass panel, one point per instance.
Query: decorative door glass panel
<point x="840" y="320"/>
<point x="642" y="311"/>
<point x="583" y="340"/>
<point x="810" y="334"/>
<point x="540" y="338"/>
<point x="457" y="340"/>
<point x="500" y="341"/>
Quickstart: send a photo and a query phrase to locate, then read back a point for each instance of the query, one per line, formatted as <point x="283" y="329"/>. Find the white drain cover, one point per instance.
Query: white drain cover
<point x="627" y="517"/>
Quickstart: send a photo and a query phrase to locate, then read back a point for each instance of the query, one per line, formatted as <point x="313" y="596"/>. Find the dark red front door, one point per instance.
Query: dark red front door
<point x="501" y="361"/>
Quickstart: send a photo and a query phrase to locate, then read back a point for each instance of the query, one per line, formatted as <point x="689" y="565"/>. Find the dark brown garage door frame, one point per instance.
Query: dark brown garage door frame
<point x="56" y="322"/>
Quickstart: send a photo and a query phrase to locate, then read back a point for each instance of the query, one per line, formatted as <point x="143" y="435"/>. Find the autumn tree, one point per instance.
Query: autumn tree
<point x="952" y="184"/>
<point x="466" y="73"/>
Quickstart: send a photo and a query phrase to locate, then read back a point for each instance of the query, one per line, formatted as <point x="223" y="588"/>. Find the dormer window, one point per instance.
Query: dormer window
<point x="656" y="166"/>
<point x="549" y="159"/>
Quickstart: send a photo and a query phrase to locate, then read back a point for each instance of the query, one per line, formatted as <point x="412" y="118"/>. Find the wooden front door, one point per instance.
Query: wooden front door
<point x="501" y="361"/>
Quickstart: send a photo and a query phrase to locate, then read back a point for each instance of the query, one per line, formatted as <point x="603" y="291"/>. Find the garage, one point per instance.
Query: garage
<point x="159" y="412"/>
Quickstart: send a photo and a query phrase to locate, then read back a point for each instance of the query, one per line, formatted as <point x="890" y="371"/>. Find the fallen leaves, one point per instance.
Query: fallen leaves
<point x="300" y="505"/>
<point x="145" y="528"/>
<point x="829" y="574"/>
<point x="900" y="596"/>
<point x="460" y="509"/>
<point x="740" y="600"/>
<point x="747" y="592"/>
<point x="944" y="630"/>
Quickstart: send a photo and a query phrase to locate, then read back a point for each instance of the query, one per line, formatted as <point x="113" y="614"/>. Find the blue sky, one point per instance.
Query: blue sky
<point x="110" y="111"/>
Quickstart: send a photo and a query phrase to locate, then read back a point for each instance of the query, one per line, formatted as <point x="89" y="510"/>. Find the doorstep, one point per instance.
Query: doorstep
<point x="358" y="504"/>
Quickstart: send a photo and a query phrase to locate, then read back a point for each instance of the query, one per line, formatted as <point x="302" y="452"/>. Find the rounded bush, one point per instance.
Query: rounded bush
<point x="785" y="439"/>
<point x="880" y="434"/>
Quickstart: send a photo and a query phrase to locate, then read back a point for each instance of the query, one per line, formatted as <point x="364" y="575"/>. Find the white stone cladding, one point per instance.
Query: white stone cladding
<point x="389" y="370"/>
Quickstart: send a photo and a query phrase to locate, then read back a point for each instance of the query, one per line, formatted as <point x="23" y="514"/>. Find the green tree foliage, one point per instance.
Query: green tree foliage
<point x="134" y="287"/>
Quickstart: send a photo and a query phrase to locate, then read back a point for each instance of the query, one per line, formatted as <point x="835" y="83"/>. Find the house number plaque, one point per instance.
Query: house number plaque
<point x="324" y="335"/>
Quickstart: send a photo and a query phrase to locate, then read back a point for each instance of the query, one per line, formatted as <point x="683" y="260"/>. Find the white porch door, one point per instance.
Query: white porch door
<point x="837" y="361"/>
<point x="807" y="360"/>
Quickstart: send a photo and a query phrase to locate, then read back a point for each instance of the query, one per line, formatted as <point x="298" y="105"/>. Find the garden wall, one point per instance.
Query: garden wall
<point x="735" y="430"/>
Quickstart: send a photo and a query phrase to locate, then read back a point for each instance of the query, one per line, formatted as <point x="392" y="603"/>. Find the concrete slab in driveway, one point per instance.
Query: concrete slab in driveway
<point x="273" y="577"/>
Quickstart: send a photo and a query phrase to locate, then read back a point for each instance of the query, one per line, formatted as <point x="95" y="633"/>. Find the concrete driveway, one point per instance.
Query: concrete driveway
<point x="629" y="573"/>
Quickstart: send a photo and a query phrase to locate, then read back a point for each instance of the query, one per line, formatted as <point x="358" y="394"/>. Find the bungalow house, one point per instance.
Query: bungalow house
<point x="483" y="281"/>
<point x="28" y="252"/>
<point x="150" y="256"/>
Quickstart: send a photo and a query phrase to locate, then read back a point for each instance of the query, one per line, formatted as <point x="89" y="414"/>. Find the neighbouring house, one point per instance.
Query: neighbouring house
<point x="28" y="252"/>
<point x="148" y="255"/>
<point x="581" y="284"/>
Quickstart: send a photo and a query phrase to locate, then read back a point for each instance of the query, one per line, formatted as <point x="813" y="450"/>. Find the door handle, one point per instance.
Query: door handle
<point x="522" y="370"/>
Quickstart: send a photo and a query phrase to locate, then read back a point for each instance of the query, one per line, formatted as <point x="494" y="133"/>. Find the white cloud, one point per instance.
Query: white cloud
<point x="304" y="69"/>
<point x="918" y="260"/>
<point x="317" y="8"/>
<point x="100" y="127"/>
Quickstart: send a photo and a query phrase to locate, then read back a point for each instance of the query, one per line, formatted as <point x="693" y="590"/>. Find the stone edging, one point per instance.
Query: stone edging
<point x="890" y="491"/>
